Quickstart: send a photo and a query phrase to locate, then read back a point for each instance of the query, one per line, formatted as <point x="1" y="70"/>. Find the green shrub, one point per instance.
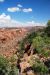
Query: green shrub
<point x="37" y="65"/>
<point x="6" y="68"/>
<point x="40" y="68"/>
<point x="38" y="43"/>
<point x="45" y="53"/>
<point x="47" y="30"/>
<point x="14" y="70"/>
<point x="30" y="37"/>
<point x="41" y="44"/>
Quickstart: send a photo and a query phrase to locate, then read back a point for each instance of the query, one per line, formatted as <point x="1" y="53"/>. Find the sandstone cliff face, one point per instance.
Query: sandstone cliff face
<point x="9" y="40"/>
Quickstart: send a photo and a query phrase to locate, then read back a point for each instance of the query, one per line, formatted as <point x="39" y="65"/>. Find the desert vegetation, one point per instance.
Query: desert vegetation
<point x="32" y="56"/>
<point x="7" y="68"/>
<point x="37" y="44"/>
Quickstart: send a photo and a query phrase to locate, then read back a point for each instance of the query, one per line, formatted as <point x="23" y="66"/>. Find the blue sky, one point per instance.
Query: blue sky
<point x="25" y="10"/>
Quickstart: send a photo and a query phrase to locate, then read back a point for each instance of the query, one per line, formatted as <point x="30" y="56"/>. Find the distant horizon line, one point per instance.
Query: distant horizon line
<point x="21" y="27"/>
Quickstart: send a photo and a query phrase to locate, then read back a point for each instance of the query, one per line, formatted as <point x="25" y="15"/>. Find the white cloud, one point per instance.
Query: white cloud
<point x="19" y="5"/>
<point x="27" y="10"/>
<point x="19" y="8"/>
<point x="7" y="21"/>
<point x="3" y="16"/>
<point x="13" y="9"/>
<point x="1" y="0"/>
